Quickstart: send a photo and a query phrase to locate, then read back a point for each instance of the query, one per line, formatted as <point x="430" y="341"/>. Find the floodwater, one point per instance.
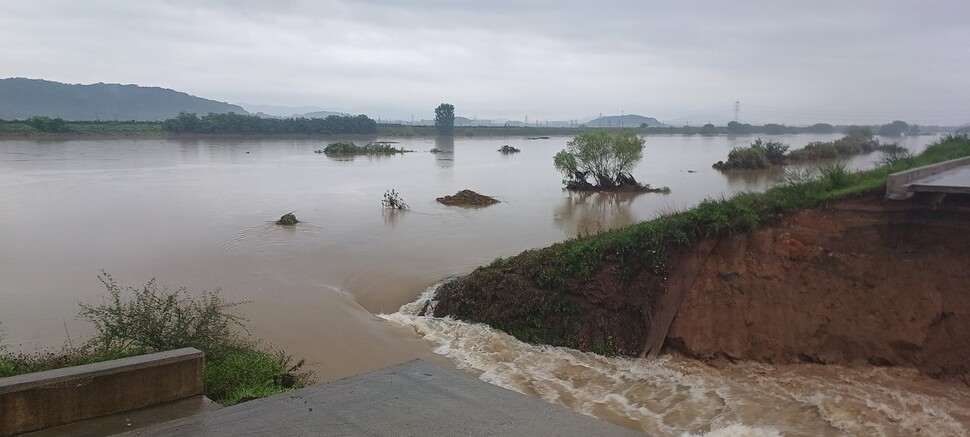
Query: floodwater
<point x="200" y="213"/>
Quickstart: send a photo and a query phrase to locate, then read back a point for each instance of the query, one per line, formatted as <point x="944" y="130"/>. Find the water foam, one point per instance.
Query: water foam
<point x="682" y="397"/>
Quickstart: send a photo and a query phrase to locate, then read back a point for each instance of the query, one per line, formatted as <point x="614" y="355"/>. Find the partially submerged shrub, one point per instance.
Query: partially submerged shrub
<point x="349" y="148"/>
<point x="507" y="149"/>
<point x="340" y="148"/>
<point x="744" y="158"/>
<point x="606" y="157"/>
<point x="393" y="200"/>
<point x="775" y="151"/>
<point x="760" y="154"/>
<point x="288" y="219"/>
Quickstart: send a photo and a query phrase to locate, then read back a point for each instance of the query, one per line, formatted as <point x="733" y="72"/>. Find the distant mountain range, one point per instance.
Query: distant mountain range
<point x="276" y="111"/>
<point x="23" y="98"/>
<point x="279" y="111"/>
<point x="631" y="121"/>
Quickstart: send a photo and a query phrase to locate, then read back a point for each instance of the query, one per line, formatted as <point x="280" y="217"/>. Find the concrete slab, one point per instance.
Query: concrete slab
<point x="943" y="177"/>
<point x="131" y="420"/>
<point x="414" y="398"/>
<point x="951" y="181"/>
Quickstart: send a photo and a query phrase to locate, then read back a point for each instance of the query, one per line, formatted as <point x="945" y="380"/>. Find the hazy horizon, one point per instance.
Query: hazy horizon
<point x="867" y="62"/>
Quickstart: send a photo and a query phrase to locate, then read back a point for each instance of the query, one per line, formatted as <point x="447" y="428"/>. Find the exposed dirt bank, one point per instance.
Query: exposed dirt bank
<point x="859" y="281"/>
<point x="863" y="281"/>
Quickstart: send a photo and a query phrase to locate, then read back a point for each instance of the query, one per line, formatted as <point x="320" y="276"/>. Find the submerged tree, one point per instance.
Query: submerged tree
<point x="392" y="200"/>
<point x="444" y="119"/>
<point x="606" y="157"/>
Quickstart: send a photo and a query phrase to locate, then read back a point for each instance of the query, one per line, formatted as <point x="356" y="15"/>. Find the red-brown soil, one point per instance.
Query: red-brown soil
<point x="863" y="281"/>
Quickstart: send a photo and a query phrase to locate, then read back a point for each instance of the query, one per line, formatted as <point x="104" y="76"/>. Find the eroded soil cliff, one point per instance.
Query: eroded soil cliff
<point x="862" y="281"/>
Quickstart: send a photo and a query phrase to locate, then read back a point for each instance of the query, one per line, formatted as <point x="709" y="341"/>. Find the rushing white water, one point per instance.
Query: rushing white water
<point x="683" y="397"/>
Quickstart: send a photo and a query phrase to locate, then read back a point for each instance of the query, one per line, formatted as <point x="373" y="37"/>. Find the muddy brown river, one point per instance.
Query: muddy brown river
<point x="200" y="213"/>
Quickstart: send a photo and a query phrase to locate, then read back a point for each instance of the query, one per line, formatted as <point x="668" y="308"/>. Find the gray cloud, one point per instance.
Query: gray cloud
<point x="835" y="61"/>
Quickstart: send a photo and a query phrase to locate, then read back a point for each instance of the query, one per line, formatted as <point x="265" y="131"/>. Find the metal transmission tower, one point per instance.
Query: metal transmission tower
<point x="737" y="111"/>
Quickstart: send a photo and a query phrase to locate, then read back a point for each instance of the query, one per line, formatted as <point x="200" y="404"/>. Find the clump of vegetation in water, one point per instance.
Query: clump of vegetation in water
<point x="349" y="148"/>
<point x="507" y="149"/>
<point x="134" y="321"/>
<point x="392" y="200"/>
<point x="287" y="219"/>
<point x="606" y="157"/>
<point x="760" y="154"/>
<point x="540" y="296"/>
<point x="763" y="154"/>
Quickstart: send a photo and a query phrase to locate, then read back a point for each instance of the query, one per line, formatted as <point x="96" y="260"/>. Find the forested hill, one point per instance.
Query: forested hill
<point x="23" y="98"/>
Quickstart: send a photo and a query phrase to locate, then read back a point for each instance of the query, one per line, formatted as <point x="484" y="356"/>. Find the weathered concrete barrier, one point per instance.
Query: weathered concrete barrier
<point x="898" y="184"/>
<point x="56" y="397"/>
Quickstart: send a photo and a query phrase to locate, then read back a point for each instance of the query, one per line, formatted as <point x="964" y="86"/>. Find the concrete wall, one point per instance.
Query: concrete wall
<point x="897" y="183"/>
<point x="46" y="399"/>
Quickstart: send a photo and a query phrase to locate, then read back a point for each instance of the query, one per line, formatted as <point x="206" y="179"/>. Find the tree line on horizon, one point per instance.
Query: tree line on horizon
<point x="232" y="123"/>
<point x="895" y="129"/>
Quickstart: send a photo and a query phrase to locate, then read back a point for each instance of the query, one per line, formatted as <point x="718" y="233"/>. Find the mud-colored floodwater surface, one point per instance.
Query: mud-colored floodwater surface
<point x="201" y="213"/>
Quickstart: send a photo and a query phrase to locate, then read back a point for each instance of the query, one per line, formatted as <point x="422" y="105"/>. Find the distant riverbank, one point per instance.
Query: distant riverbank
<point x="17" y="129"/>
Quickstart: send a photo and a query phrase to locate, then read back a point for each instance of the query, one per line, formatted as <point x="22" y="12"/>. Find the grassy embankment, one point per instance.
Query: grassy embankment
<point x="152" y="319"/>
<point x="544" y="292"/>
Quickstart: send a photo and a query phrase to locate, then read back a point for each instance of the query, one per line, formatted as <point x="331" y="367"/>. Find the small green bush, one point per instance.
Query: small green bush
<point x="248" y="372"/>
<point x="836" y="175"/>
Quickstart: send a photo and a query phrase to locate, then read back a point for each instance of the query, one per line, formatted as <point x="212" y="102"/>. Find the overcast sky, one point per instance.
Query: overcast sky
<point x="790" y="62"/>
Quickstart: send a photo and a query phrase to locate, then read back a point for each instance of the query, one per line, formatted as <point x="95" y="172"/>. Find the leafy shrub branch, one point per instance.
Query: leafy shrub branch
<point x="152" y="318"/>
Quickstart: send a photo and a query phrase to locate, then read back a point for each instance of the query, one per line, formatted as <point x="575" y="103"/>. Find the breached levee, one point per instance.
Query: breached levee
<point x="763" y="286"/>
<point x="823" y="271"/>
<point x="675" y="395"/>
<point x="860" y="281"/>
